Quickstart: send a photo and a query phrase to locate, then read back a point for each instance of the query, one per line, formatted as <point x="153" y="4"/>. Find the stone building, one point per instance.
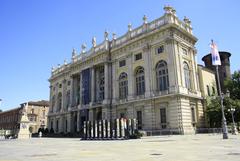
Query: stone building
<point x="9" y="120"/>
<point x="36" y="113"/>
<point x="150" y="73"/>
<point x="207" y="81"/>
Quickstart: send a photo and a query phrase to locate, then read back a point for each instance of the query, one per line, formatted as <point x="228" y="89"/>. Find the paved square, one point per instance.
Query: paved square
<point x="168" y="148"/>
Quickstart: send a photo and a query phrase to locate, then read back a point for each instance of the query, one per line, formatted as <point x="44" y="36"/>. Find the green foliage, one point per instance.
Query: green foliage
<point x="213" y="112"/>
<point x="233" y="85"/>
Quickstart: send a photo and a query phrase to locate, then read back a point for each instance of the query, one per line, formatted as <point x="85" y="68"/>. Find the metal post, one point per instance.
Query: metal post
<point x="224" y="123"/>
<point x="234" y="129"/>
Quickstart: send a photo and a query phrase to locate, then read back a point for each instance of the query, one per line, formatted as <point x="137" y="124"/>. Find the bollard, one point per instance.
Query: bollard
<point x="103" y="128"/>
<point x="118" y="128"/>
<point x="93" y="129"/>
<point x="122" y="127"/>
<point x="85" y="129"/>
<point x="96" y="129"/>
<point x="100" y="129"/>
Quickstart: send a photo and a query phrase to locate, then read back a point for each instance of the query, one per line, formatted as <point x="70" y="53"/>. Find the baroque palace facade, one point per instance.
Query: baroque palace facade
<point x="150" y="73"/>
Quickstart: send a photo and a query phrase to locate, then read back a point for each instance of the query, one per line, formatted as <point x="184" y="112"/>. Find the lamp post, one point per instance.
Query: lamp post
<point x="234" y="129"/>
<point x="224" y="122"/>
<point x="216" y="61"/>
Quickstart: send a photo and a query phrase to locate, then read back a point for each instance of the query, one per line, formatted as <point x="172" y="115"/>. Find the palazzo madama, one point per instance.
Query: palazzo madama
<point x="150" y="73"/>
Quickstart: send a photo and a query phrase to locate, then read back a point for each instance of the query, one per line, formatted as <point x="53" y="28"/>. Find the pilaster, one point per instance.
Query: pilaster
<point x="106" y="84"/>
<point x="93" y="88"/>
<point x="147" y="70"/>
<point x="130" y="77"/>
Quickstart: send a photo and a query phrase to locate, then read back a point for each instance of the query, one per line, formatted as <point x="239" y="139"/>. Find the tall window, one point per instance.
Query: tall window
<point x="140" y="82"/>
<point x="139" y="120"/>
<point x="86" y="86"/>
<point x="193" y="114"/>
<point x="123" y="86"/>
<point x="162" y="76"/>
<point x="100" y="83"/>
<point x="187" y="75"/>
<point x="59" y="101"/>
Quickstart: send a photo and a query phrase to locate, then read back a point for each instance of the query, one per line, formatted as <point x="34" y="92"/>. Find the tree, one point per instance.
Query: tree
<point x="233" y="85"/>
<point x="213" y="112"/>
<point x="0" y="110"/>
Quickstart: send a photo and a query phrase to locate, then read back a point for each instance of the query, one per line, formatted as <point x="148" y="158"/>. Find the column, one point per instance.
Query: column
<point x="146" y="53"/>
<point x="63" y="91"/>
<point x="72" y="92"/>
<point x="106" y="83"/>
<point x="92" y="85"/>
<point x="173" y="68"/>
<point x="194" y="77"/>
<point x="130" y="77"/>
<point x="80" y="75"/>
<point x="114" y="83"/>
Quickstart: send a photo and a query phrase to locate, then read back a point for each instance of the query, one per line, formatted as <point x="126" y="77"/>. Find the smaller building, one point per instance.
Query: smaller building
<point x="36" y="113"/>
<point x="207" y="81"/>
<point x="9" y="120"/>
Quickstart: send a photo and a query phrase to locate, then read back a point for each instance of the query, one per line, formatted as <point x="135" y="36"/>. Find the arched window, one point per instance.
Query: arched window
<point x="59" y="102"/>
<point x="187" y="75"/>
<point x="162" y="76"/>
<point x="123" y="86"/>
<point x="208" y="90"/>
<point x="140" y="82"/>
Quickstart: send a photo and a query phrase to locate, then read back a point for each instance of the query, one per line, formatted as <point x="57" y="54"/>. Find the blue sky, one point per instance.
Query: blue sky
<point x="38" y="34"/>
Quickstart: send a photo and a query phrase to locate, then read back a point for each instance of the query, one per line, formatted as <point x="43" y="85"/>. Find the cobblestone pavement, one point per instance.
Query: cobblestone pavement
<point x="168" y="148"/>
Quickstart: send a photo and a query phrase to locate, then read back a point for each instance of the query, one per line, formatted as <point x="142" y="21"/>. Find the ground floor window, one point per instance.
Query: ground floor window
<point x="163" y="118"/>
<point x="139" y="119"/>
<point x="193" y="115"/>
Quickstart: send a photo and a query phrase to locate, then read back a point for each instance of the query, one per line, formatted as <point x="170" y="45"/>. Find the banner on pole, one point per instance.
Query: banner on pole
<point x="215" y="54"/>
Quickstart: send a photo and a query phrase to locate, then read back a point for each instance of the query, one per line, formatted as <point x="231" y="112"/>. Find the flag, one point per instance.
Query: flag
<point x="215" y="55"/>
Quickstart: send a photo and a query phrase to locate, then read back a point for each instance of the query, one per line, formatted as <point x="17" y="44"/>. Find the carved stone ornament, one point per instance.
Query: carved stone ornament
<point x="84" y="46"/>
<point x="106" y="35"/>
<point x="94" y="42"/>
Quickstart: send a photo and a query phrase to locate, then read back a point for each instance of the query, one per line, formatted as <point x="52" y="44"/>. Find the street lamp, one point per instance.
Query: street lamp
<point x="234" y="129"/>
